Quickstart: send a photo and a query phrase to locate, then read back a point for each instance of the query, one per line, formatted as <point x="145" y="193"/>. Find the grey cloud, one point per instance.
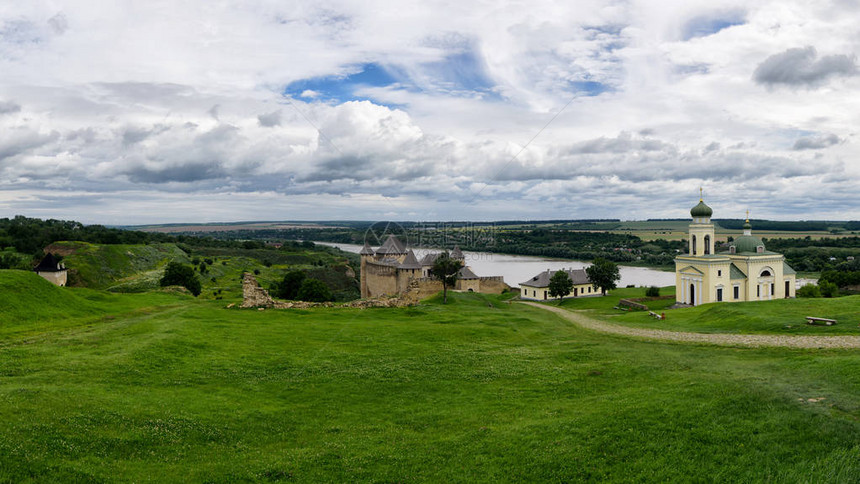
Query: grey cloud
<point x="802" y="67"/>
<point x="271" y="119"/>
<point x="7" y="107"/>
<point x="59" y="23"/>
<point x="815" y="142"/>
<point x="621" y="144"/>
<point x="213" y="111"/>
<point x="185" y="173"/>
<point x="24" y="141"/>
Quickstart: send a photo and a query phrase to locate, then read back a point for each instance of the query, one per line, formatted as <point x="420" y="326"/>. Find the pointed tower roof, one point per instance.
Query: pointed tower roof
<point x="366" y="250"/>
<point x="410" y="262"/>
<point x="457" y="253"/>
<point x="391" y="246"/>
<point x="49" y="263"/>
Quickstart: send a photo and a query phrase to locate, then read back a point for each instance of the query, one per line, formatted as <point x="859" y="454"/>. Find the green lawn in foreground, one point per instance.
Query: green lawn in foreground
<point x="781" y="316"/>
<point x="476" y="390"/>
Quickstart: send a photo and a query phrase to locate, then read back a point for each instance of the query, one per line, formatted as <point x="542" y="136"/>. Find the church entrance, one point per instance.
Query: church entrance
<point x="692" y="294"/>
<point x="787" y="291"/>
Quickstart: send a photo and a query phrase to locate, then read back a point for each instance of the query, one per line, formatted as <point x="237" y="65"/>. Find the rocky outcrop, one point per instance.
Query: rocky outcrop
<point x="255" y="296"/>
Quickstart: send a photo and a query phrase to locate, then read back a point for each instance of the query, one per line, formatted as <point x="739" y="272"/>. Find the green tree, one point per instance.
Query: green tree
<point x="560" y="285"/>
<point x="446" y="270"/>
<point x="176" y="274"/>
<point x="652" y="291"/>
<point x="289" y="287"/>
<point x="828" y="289"/>
<point x="314" y="290"/>
<point x="809" y="290"/>
<point x="603" y="274"/>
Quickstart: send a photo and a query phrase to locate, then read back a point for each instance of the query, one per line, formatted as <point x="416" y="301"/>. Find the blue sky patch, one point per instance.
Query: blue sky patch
<point x="705" y="26"/>
<point x="341" y="88"/>
<point x="589" y="88"/>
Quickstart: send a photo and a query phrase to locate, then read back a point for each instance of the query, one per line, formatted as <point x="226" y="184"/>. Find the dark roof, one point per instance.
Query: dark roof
<point x="366" y="250"/>
<point x="392" y="245"/>
<point x="786" y="269"/>
<point x="736" y="273"/>
<point x="429" y="259"/>
<point x="578" y="276"/>
<point x="466" y="273"/>
<point x="410" y="262"/>
<point x="49" y="263"/>
<point x="457" y="253"/>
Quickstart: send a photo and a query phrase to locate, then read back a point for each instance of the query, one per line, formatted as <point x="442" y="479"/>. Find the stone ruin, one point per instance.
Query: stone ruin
<point x="254" y="296"/>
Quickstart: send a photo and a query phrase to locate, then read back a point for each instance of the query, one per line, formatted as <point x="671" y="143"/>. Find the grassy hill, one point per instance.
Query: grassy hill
<point x="138" y="268"/>
<point x="780" y="316"/>
<point x="30" y="304"/>
<point x="101" y="266"/>
<point x="173" y="388"/>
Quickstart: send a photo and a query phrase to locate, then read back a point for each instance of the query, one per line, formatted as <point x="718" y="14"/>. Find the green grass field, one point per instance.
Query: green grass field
<point x="782" y="316"/>
<point x="164" y="387"/>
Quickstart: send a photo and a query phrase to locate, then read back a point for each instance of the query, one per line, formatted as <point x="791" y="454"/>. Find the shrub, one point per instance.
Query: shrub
<point x="809" y="290"/>
<point x="289" y="287"/>
<point x="828" y="289"/>
<point x="176" y="274"/>
<point x="314" y="290"/>
<point x="652" y="291"/>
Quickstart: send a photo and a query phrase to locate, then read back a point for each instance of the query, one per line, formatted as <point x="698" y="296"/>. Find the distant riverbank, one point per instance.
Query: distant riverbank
<point x="520" y="268"/>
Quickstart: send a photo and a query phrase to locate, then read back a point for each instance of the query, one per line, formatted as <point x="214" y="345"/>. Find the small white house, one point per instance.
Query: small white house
<point x="52" y="270"/>
<point x="537" y="287"/>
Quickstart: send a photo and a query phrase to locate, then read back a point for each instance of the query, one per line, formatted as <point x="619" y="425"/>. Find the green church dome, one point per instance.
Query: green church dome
<point x="701" y="210"/>
<point x="747" y="243"/>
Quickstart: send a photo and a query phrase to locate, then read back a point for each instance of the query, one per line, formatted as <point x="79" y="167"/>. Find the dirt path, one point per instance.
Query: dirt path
<point x="751" y="340"/>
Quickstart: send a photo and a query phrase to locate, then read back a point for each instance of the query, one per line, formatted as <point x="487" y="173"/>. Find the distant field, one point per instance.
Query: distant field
<point x="156" y="386"/>
<point x="176" y="228"/>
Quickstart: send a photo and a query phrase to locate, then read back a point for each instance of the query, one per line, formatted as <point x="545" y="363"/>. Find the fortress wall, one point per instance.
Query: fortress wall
<point x="493" y="285"/>
<point x="58" y="278"/>
<point x="379" y="279"/>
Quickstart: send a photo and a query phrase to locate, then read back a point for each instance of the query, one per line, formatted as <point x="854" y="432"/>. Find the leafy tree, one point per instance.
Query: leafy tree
<point x="652" y="291"/>
<point x="809" y="290"/>
<point x="828" y="289"/>
<point x="446" y="270"/>
<point x="603" y="274"/>
<point x="560" y="285"/>
<point x="289" y="287"/>
<point x="314" y="290"/>
<point x="177" y="274"/>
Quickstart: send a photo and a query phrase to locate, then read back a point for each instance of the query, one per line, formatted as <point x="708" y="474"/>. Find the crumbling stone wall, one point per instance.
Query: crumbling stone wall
<point x="254" y="296"/>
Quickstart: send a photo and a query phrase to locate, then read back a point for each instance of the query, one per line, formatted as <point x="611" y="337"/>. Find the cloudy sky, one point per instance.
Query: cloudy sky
<point x="130" y="112"/>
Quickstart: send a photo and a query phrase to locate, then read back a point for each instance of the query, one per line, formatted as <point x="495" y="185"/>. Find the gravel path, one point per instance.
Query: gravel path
<point x="751" y="340"/>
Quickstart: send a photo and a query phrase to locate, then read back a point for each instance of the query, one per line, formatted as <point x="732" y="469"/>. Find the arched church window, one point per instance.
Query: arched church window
<point x="694" y="245"/>
<point x="765" y="273"/>
<point x="707" y="244"/>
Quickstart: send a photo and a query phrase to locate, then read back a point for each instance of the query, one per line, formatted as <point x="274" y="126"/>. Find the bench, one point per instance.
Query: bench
<point x="825" y="321"/>
<point x="655" y="315"/>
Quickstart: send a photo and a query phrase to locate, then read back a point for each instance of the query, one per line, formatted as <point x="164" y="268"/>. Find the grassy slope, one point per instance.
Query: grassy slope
<point x="138" y="268"/>
<point x="478" y="390"/>
<point x="104" y="266"/>
<point x="31" y="304"/>
<point x="782" y="316"/>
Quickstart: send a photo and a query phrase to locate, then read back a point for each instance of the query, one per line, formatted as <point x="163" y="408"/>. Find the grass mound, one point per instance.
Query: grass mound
<point x="26" y="298"/>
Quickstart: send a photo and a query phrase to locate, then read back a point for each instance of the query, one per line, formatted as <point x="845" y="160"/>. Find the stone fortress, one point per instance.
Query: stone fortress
<point x="746" y="272"/>
<point x="393" y="270"/>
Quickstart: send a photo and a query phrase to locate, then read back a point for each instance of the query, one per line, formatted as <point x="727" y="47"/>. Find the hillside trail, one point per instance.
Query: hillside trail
<point x="748" y="340"/>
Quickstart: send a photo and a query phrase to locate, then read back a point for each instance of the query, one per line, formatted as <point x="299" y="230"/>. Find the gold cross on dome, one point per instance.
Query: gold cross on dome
<point x="701" y="195"/>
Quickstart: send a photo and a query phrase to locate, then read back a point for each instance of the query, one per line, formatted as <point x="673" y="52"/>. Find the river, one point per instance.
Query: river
<point x="520" y="268"/>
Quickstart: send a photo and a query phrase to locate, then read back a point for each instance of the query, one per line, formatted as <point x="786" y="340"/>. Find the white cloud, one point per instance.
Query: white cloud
<point x="105" y="103"/>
